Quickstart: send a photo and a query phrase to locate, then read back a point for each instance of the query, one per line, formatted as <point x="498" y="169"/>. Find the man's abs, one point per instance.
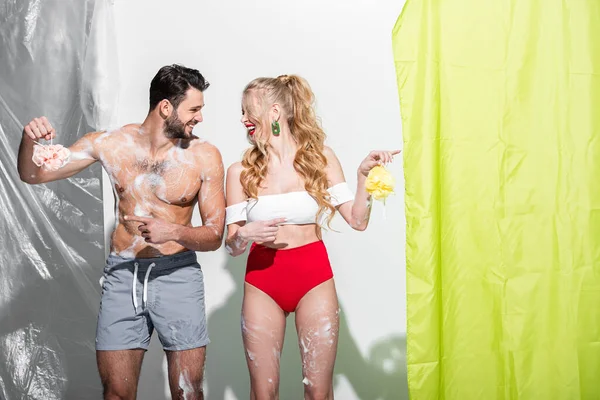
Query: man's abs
<point x="128" y="245"/>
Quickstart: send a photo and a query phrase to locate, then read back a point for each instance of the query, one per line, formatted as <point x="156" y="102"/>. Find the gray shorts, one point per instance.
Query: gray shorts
<point x="167" y="294"/>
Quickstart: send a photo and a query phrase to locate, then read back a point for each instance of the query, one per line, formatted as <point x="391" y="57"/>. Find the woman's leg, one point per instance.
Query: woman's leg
<point x="263" y="330"/>
<point x="317" y="323"/>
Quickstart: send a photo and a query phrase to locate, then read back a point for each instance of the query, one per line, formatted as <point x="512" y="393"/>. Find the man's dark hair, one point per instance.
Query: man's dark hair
<point x="171" y="82"/>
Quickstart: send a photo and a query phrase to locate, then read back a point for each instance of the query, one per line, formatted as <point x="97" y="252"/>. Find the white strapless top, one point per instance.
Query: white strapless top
<point x="299" y="208"/>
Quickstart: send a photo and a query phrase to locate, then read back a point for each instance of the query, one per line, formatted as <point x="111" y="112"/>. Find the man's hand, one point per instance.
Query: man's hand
<point x="155" y="230"/>
<point x="39" y="128"/>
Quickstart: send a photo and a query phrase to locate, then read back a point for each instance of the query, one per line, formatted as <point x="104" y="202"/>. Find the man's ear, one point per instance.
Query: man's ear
<point x="165" y="108"/>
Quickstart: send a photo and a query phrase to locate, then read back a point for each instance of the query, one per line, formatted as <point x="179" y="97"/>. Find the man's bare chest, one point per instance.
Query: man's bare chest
<point x="170" y="181"/>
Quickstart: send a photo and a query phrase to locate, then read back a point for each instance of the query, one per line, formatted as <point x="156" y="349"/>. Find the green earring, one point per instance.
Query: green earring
<point x="275" y="128"/>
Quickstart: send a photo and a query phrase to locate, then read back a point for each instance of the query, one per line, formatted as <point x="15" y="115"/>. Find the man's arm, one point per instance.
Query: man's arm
<point x="211" y="202"/>
<point x="82" y="152"/>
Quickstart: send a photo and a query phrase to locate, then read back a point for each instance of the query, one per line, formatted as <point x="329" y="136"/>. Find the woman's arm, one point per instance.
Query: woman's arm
<point x="356" y="212"/>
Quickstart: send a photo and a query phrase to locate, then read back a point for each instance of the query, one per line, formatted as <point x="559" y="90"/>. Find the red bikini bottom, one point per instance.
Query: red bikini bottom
<point x="286" y="275"/>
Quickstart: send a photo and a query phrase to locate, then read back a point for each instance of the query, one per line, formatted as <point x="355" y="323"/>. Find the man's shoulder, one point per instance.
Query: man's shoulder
<point x="206" y="156"/>
<point x="125" y="129"/>
<point x="131" y="128"/>
<point x="112" y="133"/>
<point x="203" y="147"/>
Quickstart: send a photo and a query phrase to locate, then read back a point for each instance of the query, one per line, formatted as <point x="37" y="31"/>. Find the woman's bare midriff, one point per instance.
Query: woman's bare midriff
<point x="291" y="236"/>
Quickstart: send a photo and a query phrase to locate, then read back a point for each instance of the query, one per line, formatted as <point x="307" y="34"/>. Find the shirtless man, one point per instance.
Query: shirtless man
<point x="158" y="171"/>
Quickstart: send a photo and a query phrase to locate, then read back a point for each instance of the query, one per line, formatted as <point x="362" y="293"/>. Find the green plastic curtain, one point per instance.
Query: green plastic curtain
<point x="500" y="103"/>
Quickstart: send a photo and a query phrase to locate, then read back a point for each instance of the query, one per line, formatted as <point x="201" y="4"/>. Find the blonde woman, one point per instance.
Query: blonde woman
<point x="287" y="186"/>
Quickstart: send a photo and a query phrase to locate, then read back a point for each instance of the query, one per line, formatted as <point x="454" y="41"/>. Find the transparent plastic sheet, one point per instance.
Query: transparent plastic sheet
<point x="55" y="60"/>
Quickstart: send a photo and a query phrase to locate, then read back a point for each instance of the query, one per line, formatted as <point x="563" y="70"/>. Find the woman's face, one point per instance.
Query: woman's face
<point x="253" y="115"/>
<point x="257" y="114"/>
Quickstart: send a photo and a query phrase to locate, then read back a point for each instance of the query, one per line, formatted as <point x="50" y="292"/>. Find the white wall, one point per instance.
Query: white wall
<point x="343" y="48"/>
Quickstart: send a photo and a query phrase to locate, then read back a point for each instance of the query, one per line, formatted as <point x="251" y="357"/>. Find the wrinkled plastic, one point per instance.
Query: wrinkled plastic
<point x="501" y="124"/>
<point x="57" y="59"/>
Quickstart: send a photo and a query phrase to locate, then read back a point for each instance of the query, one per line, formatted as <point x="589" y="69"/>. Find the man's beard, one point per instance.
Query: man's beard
<point x="174" y="128"/>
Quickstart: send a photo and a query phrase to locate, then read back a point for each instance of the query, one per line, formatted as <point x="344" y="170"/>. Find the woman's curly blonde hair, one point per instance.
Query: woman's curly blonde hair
<point x="296" y="98"/>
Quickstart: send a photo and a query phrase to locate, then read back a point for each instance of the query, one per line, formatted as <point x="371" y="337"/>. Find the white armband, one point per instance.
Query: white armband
<point x="236" y="213"/>
<point x="340" y="194"/>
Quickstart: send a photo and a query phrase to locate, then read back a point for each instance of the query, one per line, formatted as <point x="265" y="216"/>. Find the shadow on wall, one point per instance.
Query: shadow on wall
<point x="382" y="375"/>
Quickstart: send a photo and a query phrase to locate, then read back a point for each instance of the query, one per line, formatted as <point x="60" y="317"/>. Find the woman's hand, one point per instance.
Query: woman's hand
<point x="376" y="157"/>
<point x="260" y="231"/>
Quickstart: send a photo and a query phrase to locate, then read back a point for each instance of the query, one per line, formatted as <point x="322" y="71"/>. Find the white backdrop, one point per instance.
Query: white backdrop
<point x="344" y="50"/>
